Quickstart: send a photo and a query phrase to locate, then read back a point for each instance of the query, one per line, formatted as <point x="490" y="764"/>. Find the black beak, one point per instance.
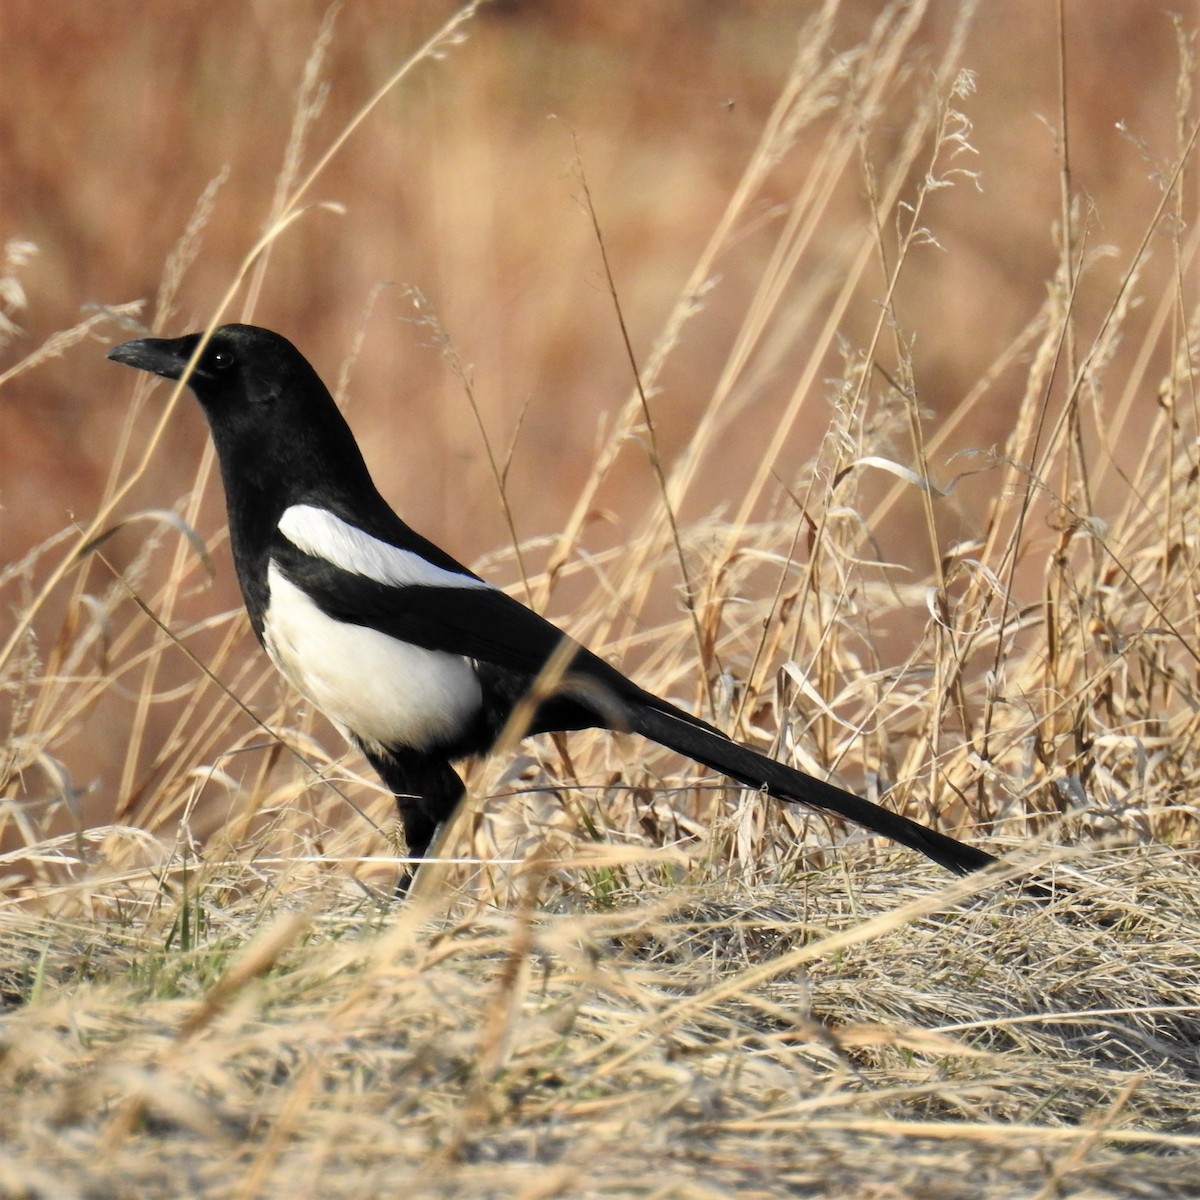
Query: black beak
<point x="160" y="356"/>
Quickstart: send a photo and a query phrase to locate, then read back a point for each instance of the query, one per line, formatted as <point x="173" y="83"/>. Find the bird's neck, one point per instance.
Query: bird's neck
<point x="254" y="509"/>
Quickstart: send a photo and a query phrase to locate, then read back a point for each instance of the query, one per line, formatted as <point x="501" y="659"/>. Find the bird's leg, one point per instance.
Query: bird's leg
<point x="427" y="793"/>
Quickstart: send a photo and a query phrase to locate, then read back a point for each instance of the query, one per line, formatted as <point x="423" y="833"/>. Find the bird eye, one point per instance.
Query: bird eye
<point x="221" y="359"/>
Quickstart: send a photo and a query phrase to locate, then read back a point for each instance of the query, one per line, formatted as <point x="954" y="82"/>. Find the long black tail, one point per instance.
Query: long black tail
<point x="706" y="745"/>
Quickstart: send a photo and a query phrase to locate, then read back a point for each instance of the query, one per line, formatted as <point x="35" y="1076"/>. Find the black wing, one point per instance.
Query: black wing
<point x="480" y="623"/>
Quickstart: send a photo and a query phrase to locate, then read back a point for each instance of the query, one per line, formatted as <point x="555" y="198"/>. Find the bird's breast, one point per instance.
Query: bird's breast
<point x="384" y="692"/>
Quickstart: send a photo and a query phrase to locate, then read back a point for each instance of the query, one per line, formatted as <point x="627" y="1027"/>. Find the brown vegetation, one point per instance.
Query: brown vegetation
<point x="910" y="290"/>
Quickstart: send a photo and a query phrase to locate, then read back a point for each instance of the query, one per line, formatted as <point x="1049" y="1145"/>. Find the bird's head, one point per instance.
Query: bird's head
<point x="242" y="371"/>
<point x="267" y="408"/>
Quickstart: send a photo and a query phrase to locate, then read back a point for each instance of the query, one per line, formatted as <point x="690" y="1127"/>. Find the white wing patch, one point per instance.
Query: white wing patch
<point x="318" y="532"/>
<point x="383" y="691"/>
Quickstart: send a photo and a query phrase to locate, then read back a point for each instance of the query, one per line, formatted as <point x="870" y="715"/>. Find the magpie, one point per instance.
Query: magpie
<point x="416" y="659"/>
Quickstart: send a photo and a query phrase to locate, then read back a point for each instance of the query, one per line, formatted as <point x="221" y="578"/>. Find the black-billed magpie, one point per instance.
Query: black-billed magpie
<point x="416" y="659"/>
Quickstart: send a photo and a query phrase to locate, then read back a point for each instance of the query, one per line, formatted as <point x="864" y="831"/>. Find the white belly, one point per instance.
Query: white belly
<point x="383" y="691"/>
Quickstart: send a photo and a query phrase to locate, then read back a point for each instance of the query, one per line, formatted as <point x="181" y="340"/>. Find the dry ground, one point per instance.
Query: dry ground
<point x="851" y="1032"/>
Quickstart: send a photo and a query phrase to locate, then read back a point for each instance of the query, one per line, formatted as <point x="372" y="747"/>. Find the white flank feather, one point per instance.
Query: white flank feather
<point x="388" y="692"/>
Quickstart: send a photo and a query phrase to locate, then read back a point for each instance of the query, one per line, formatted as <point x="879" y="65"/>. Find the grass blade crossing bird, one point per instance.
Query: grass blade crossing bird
<point x="416" y="659"/>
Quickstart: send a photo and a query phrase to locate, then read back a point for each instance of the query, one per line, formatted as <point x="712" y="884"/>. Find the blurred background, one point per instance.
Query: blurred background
<point x="464" y="187"/>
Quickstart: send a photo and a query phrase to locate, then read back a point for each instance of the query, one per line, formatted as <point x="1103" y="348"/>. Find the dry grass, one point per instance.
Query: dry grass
<point x="853" y="1034"/>
<point x="633" y="980"/>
